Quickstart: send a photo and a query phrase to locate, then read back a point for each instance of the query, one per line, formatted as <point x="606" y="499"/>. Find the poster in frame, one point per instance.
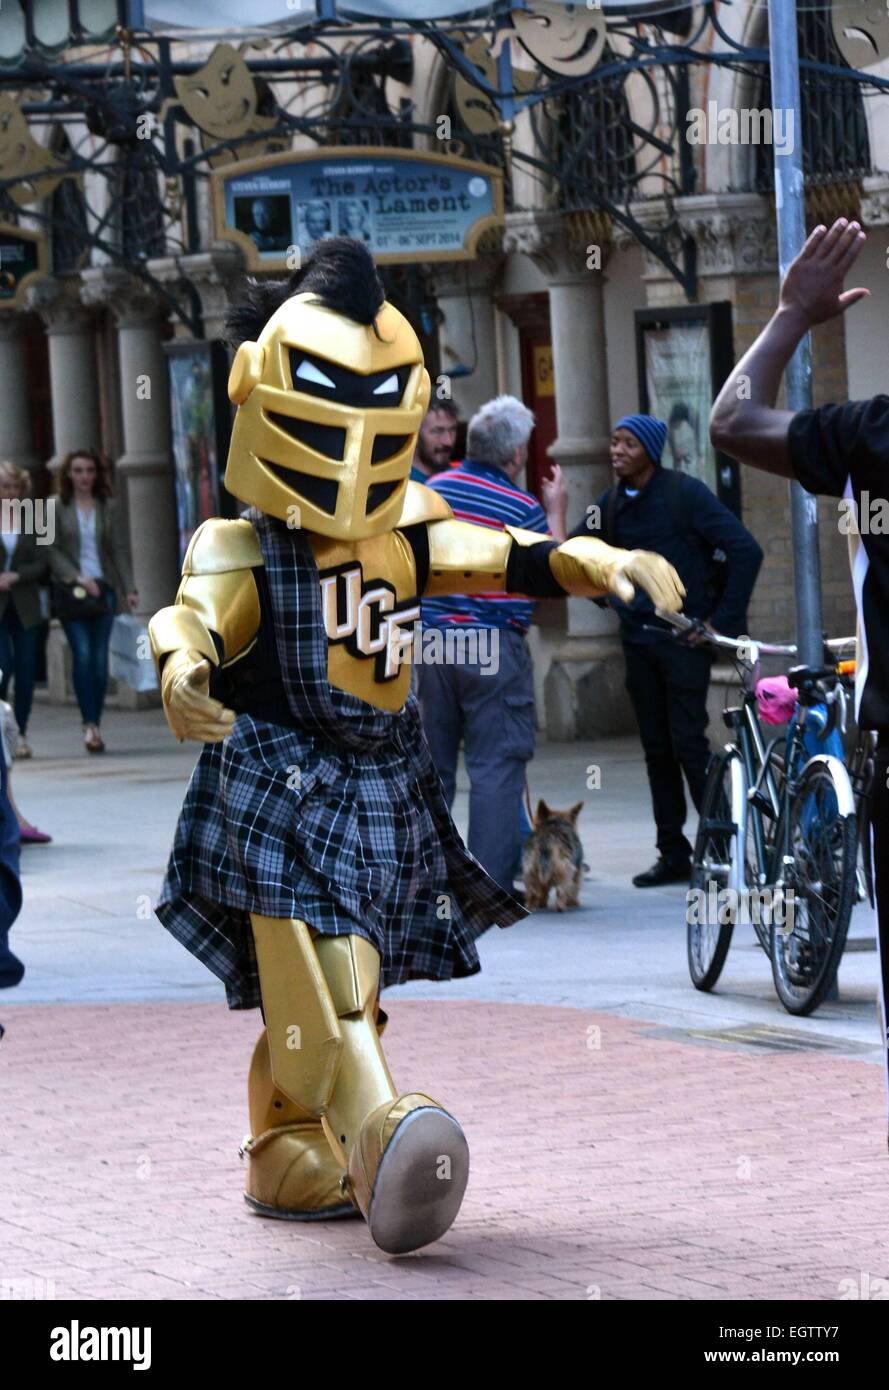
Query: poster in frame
<point x="200" y="429"/>
<point x="683" y="355"/>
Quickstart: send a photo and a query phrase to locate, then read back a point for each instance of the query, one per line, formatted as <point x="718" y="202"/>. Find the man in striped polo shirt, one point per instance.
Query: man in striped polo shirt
<point x="475" y="673"/>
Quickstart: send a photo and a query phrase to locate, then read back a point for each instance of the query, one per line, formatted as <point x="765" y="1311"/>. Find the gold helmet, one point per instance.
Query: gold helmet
<point x="330" y="400"/>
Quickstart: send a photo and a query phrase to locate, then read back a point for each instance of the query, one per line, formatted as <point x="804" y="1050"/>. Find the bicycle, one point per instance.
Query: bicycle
<point x="777" y="835"/>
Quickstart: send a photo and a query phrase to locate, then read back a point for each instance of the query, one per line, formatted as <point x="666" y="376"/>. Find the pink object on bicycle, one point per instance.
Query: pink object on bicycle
<point x="775" y="699"/>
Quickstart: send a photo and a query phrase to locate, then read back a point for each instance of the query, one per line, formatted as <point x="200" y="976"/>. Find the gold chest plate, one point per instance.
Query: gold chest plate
<point x="370" y="606"/>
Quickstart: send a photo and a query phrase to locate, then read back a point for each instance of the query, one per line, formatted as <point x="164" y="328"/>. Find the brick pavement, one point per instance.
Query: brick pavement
<point x="613" y="1164"/>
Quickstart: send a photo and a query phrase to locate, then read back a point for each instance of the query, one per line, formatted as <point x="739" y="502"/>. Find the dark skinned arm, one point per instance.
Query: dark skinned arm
<point x="744" y="421"/>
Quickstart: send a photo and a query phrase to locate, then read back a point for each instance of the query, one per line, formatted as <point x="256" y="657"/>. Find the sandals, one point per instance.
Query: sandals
<point x="92" y="739"/>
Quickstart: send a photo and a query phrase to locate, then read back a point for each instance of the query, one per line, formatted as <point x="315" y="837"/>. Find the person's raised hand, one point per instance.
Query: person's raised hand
<point x="812" y="289"/>
<point x="553" y="492"/>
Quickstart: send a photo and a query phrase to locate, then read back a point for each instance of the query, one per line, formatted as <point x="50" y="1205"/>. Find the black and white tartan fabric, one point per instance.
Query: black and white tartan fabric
<point x="341" y="822"/>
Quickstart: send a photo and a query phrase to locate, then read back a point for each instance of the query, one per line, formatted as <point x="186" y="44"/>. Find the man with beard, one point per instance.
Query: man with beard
<point x="435" y="442"/>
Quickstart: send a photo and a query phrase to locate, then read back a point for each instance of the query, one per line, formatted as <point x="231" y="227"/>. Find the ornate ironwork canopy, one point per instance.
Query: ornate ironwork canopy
<point x="585" y="109"/>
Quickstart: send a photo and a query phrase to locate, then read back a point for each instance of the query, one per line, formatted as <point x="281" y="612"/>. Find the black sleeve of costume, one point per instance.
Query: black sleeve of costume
<point x="528" y="571"/>
<point x="833" y="443"/>
<point x="417" y="538"/>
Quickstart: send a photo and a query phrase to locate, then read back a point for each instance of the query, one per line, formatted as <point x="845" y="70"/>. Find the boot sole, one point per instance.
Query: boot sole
<point x="326" y="1214"/>
<point x="416" y="1196"/>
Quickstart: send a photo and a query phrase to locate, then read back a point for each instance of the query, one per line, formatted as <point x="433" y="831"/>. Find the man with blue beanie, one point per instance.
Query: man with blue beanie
<point x="655" y="508"/>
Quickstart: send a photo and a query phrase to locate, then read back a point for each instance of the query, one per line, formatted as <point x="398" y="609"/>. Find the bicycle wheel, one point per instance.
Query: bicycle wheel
<point x="715" y="853"/>
<point x="806" y="949"/>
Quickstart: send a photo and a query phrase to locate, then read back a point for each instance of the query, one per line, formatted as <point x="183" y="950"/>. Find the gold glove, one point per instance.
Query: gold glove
<point x="587" y="568"/>
<point x="185" y="688"/>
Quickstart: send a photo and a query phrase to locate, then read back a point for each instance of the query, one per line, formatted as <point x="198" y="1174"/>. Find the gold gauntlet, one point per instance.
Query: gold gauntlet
<point x="588" y="568"/>
<point x="185" y="690"/>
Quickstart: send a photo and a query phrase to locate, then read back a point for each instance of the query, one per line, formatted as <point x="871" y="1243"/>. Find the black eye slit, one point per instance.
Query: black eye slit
<point x="322" y="492"/>
<point x="349" y="388"/>
<point x="386" y="446"/>
<point x="328" y="440"/>
<point x="378" y="493"/>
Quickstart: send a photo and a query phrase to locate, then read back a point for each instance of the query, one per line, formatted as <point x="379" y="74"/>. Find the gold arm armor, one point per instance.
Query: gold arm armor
<point x="465" y="559"/>
<point x="217" y="594"/>
<point x="468" y="559"/>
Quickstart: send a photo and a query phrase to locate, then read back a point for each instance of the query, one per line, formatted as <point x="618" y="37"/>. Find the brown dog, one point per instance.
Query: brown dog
<point x="553" y="858"/>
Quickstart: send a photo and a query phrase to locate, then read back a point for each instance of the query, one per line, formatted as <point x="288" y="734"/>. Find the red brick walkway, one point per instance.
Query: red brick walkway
<point x="641" y="1167"/>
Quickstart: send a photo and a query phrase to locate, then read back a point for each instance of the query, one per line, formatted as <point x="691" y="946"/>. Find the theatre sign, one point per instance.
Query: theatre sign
<point x="404" y="205"/>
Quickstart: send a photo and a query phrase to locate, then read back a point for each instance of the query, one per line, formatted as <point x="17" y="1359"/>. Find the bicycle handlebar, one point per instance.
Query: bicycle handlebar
<point x="745" y="647"/>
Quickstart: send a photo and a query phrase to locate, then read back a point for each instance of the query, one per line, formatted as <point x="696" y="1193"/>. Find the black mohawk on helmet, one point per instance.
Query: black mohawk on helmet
<point x="341" y="275"/>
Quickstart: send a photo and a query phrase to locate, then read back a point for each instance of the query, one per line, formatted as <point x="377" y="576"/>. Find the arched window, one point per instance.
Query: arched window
<point x="68" y="230"/>
<point x="834" y="125"/>
<point x="141" y="210"/>
<point x="590" y="142"/>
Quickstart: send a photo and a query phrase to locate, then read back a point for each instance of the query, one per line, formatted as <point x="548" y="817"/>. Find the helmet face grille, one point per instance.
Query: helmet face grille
<point x="327" y="426"/>
<point x="329" y="440"/>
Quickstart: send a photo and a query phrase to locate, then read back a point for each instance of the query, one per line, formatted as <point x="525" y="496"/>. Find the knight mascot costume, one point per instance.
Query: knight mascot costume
<point x="315" y="860"/>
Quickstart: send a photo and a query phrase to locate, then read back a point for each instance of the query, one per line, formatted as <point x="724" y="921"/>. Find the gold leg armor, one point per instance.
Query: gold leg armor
<point x="406" y="1159"/>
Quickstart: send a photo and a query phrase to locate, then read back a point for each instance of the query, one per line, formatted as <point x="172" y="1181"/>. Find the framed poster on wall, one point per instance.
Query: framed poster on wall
<point x="683" y="355"/>
<point x="200" y="429"/>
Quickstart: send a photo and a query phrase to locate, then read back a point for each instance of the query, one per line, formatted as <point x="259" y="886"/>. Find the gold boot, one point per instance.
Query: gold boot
<point x="407" y="1159"/>
<point x="408" y="1172"/>
<point x="291" y="1172"/>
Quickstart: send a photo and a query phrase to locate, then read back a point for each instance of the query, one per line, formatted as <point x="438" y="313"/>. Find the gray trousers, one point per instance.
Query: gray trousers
<point x="492" y="711"/>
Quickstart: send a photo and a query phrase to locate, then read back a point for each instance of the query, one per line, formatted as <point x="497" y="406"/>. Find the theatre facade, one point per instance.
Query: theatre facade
<point x="564" y="209"/>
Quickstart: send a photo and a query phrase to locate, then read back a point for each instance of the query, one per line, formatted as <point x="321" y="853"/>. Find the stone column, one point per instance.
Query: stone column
<point x="584" y="687"/>
<point x="215" y="274"/>
<point x="144" y="470"/>
<point x="468" y="335"/>
<point x="72" y="366"/>
<point x="16" y="438"/>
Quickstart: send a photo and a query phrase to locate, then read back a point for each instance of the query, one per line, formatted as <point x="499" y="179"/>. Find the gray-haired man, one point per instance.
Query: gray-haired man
<point x="476" y="680"/>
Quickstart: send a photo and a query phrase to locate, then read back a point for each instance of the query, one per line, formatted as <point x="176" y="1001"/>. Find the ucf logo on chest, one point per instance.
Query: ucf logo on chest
<point x="367" y="618"/>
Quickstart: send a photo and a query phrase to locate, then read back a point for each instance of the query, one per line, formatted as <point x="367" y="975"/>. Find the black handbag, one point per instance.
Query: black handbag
<point x="70" y="601"/>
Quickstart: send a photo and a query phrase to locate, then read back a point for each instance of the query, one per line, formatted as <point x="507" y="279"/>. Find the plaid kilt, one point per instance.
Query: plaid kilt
<point x="341" y="822"/>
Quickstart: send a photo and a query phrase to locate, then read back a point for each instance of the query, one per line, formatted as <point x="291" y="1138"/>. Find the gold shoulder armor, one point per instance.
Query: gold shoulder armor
<point x="423" y="504"/>
<point x="217" y="594"/>
<point x="219" y="546"/>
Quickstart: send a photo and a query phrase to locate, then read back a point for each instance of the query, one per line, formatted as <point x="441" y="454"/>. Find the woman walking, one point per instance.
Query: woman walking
<point x="23" y="567"/>
<point x="93" y="578"/>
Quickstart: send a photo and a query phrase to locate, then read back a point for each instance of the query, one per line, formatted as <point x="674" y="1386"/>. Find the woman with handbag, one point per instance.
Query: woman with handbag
<point x="23" y="567"/>
<point x="92" y="578"/>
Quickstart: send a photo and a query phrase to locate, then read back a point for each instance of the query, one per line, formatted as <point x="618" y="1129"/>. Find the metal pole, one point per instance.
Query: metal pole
<point x="790" y="207"/>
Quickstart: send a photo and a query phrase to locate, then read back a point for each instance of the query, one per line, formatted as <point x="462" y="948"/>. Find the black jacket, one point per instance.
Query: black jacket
<point x="648" y="521"/>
